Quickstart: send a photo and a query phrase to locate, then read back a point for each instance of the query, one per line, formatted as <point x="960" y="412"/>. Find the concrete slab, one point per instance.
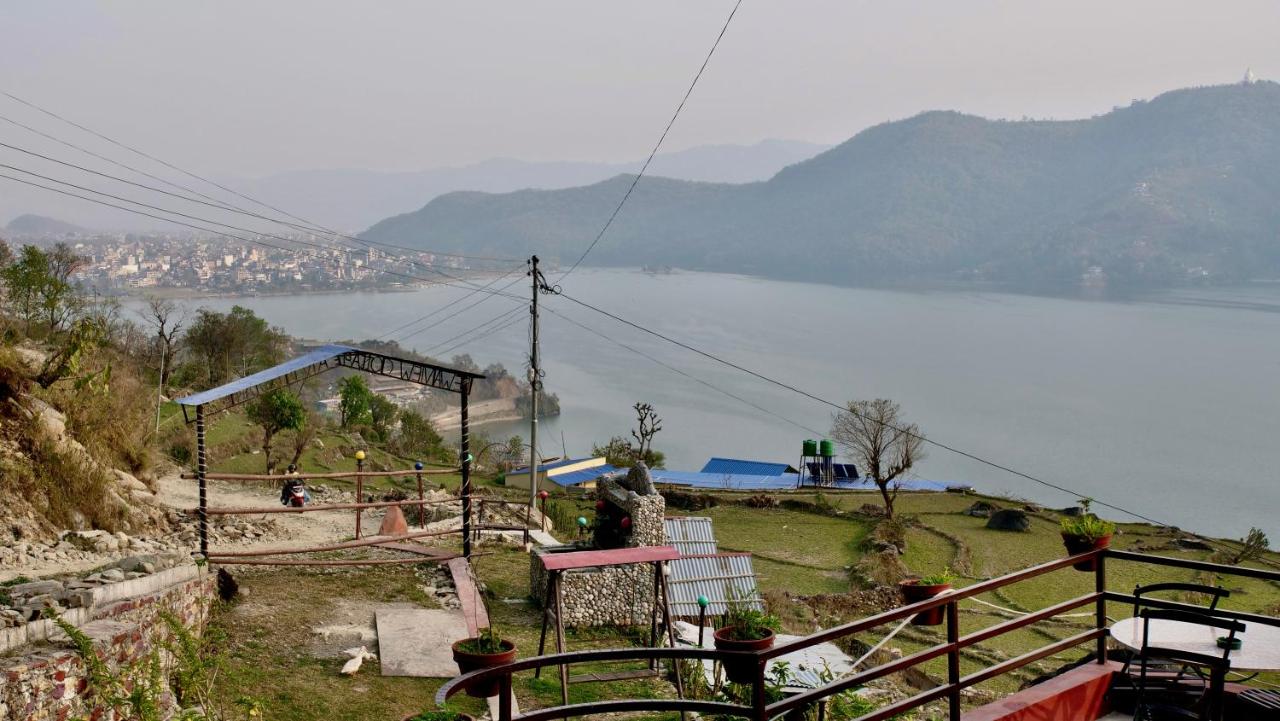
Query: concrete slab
<point x="806" y="664"/>
<point x="415" y="642"/>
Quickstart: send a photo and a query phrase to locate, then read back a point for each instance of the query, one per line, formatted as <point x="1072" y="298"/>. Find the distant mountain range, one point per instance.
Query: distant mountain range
<point x="1180" y="187"/>
<point x="354" y="199"/>
<point x="40" y="225"/>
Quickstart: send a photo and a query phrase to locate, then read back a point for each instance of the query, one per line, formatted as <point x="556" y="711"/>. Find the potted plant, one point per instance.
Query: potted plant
<point x="1084" y="533"/>
<point x="744" y="628"/>
<point x="485" y="650"/>
<point x="915" y="590"/>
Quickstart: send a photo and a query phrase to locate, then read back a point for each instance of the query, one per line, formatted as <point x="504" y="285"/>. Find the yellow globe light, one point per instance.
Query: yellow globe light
<point x="359" y="455"/>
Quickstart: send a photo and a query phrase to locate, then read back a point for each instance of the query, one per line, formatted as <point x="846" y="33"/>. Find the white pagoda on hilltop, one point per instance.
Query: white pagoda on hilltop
<point x="1249" y="77"/>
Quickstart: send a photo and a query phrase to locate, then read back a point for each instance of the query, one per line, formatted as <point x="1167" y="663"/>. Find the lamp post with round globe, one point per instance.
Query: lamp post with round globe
<point x="359" y="488"/>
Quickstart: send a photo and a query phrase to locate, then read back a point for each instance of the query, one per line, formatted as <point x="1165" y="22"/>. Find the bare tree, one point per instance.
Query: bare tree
<point x="649" y="425"/>
<point x="873" y="435"/>
<point x="168" y="318"/>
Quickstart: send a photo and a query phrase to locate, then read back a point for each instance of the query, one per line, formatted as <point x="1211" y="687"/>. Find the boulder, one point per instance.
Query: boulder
<point x="1009" y="519"/>
<point x="981" y="509"/>
<point x="141" y="564"/>
<point x="35" y="588"/>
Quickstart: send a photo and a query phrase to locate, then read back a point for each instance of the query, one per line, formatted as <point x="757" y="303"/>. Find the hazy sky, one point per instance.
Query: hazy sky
<point x="239" y="87"/>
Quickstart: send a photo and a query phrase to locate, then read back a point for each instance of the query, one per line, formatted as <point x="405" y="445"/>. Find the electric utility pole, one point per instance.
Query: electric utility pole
<point x="539" y="285"/>
<point x="535" y="384"/>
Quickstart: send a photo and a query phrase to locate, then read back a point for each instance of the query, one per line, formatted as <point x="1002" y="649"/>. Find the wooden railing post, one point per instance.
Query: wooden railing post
<point x="759" y="699"/>
<point x="953" y="660"/>
<point x="504" y="697"/>
<point x="1100" y="585"/>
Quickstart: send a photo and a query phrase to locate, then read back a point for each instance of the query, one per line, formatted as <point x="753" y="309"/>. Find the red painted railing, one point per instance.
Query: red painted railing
<point x="760" y="709"/>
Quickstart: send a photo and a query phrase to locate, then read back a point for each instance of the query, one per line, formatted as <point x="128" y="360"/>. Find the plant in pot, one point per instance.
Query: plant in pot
<point x="439" y="716"/>
<point x="485" y="650"/>
<point x="915" y="590"/>
<point x="1084" y="533"/>
<point x="744" y="628"/>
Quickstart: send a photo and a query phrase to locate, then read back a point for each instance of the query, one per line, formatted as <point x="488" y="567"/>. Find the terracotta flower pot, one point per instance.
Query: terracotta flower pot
<point x="468" y="662"/>
<point x="913" y="592"/>
<point x="740" y="671"/>
<point x="456" y="716"/>
<point x="1082" y="544"/>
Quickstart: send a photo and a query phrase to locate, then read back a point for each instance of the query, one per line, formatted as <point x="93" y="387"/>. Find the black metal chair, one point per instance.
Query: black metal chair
<point x="1216" y="593"/>
<point x="1177" y="694"/>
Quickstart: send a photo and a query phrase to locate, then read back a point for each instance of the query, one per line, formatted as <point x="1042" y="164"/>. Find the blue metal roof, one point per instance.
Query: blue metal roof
<point x="320" y="355"/>
<point x="750" y="468"/>
<point x="748" y="482"/>
<point x="586" y="475"/>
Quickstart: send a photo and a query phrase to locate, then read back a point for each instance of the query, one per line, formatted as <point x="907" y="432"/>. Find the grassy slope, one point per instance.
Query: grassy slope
<point x="798" y="552"/>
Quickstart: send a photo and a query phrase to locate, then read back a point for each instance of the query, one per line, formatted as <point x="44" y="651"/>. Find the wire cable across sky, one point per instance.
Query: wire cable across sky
<point x="631" y="188"/>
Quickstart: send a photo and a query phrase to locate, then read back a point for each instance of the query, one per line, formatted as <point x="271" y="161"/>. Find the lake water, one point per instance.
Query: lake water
<point x="1166" y="405"/>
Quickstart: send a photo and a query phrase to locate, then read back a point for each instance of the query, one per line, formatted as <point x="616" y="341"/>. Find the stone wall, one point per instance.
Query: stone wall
<point x="615" y="595"/>
<point x="42" y="677"/>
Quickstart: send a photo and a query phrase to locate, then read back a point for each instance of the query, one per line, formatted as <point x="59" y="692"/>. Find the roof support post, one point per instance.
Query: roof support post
<point x="465" y="455"/>
<point x="202" y="467"/>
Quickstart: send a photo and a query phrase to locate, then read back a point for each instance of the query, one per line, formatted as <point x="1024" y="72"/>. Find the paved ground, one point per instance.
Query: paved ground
<point x="415" y="642"/>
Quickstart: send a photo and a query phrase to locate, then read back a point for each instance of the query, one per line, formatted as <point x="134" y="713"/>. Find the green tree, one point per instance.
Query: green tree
<point x="355" y="401"/>
<point x="276" y="411"/>
<point x="25" y="278"/>
<point x="418" y="437"/>
<point x="58" y="296"/>
<point x="382" y="416"/>
<point x="223" y="346"/>
<point x="619" y="452"/>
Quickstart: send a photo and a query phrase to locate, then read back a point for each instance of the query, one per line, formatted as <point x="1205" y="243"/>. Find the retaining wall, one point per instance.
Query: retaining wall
<point x="42" y="677"/>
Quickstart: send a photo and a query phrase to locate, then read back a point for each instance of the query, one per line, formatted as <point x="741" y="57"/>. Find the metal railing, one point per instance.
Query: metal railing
<point x="760" y="709"/>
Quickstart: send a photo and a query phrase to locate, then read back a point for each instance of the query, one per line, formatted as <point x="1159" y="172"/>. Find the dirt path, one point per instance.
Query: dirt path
<point x="297" y="530"/>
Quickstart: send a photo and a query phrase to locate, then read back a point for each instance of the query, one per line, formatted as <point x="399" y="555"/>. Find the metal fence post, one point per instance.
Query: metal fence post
<point x="202" y="468"/>
<point x="504" y="697"/>
<point x="953" y="659"/>
<point x="759" y="700"/>
<point x="422" y="509"/>
<point x="1100" y="586"/>
<point x="359" y="488"/>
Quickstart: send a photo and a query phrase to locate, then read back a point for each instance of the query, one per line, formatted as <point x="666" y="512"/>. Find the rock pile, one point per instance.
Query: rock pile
<point x="31" y="600"/>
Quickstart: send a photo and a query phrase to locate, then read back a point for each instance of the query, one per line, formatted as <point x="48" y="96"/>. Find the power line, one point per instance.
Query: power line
<point x="219" y="232"/>
<point x="314" y="226"/>
<point x="505" y="315"/>
<point x="460" y="312"/>
<point x="483" y="335"/>
<point x="217" y="205"/>
<point x="690" y="376"/>
<point x="656" y="145"/>
<point x="846" y="409"/>
<point x="451" y="303"/>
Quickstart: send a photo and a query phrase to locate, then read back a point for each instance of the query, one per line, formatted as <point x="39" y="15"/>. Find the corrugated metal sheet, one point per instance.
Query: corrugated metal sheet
<point x="723" y="481"/>
<point x="585" y="475"/>
<point x="691" y="534"/>
<point x="720" y="577"/>
<point x="749" y="468"/>
<point x="544" y="467"/>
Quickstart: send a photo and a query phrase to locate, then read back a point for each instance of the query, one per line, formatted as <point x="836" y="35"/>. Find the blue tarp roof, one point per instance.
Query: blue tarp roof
<point x="749" y="482"/>
<point x="319" y="355"/>
<point x="544" y="467"/>
<point x="585" y="475"/>
<point x="751" y="468"/>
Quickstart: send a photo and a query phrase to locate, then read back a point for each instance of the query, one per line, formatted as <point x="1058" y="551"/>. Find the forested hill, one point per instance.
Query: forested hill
<point x="1180" y="187"/>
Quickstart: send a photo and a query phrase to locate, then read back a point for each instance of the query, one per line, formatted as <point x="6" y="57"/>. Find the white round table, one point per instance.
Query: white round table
<point x="1259" y="648"/>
